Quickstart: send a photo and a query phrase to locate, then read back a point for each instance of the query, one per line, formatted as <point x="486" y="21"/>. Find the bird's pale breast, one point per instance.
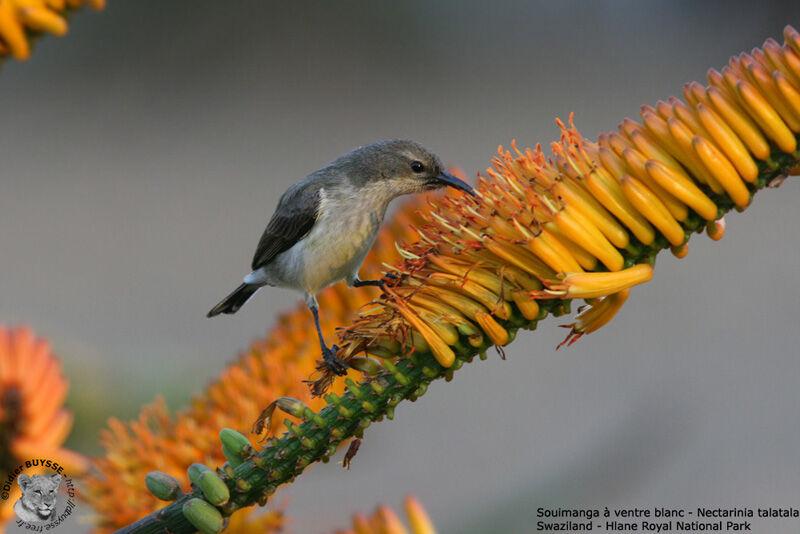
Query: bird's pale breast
<point x="336" y="246"/>
<point x="347" y="223"/>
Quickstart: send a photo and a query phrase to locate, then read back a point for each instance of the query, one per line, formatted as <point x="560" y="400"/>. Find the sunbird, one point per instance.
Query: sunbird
<point x="325" y="224"/>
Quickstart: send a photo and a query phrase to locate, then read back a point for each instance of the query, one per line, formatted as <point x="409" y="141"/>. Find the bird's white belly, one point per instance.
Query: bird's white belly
<point x="336" y="250"/>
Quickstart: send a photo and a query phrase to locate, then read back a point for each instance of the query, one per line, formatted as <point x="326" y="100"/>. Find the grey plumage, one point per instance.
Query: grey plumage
<point x="325" y="224"/>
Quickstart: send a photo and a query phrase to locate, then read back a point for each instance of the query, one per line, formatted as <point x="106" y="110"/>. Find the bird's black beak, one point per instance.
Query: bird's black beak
<point x="448" y="179"/>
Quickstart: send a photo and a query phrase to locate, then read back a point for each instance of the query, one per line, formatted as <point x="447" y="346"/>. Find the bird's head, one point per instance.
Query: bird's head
<point x="403" y="167"/>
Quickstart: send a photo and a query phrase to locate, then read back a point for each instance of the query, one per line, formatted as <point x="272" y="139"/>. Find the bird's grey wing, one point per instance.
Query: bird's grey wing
<point x="293" y="219"/>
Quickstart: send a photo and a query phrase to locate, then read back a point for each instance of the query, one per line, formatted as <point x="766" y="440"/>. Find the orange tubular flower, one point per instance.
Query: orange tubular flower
<point x="33" y="420"/>
<point x="385" y="521"/>
<point x="271" y="368"/>
<point x="21" y="18"/>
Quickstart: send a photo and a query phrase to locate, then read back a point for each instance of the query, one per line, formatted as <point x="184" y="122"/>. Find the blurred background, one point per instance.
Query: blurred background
<point x="143" y="154"/>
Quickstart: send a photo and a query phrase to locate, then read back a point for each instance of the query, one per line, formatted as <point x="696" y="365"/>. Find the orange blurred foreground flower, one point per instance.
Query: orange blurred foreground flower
<point x="385" y="521"/>
<point x="33" y="420"/>
<point x="22" y="19"/>
<point x="271" y="368"/>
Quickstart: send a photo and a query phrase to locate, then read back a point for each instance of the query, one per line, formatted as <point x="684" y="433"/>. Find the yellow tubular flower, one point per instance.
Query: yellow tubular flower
<point x="728" y="142"/>
<point x="610" y="161"/>
<point x="682" y="187"/>
<point x="687" y="115"/>
<point x="683" y="136"/>
<point x="585" y="259"/>
<point x="792" y="38"/>
<point x="43" y="20"/>
<point x="767" y="88"/>
<point x="588" y="237"/>
<point x="594" y="316"/>
<point x="35" y="16"/>
<point x="680" y="251"/>
<point x="716" y="229"/>
<point x="593" y="285"/>
<point x="764" y="114"/>
<point x="699" y="94"/>
<point x="496" y="333"/>
<point x="637" y="163"/>
<point x="527" y="305"/>
<point x="653" y="209"/>
<point x="611" y="196"/>
<point x="787" y="91"/>
<point x="486" y="297"/>
<point x="441" y="351"/>
<point x="593" y="211"/>
<point x="661" y="130"/>
<point x="553" y="252"/>
<point x="657" y="126"/>
<point x="792" y="62"/>
<point x="722" y="169"/>
<point x="33" y="420"/>
<point x="777" y="60"/>
<point x="647" y="146"/>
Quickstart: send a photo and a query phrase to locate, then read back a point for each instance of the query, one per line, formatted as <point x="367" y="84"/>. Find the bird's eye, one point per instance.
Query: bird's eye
<point x="417" y="167"/>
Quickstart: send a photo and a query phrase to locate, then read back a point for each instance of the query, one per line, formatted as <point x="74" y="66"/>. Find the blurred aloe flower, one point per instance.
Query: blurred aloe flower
<point x="385" y="521"/>
<point x="33" y="420"/>
<point x="21" y="20"/>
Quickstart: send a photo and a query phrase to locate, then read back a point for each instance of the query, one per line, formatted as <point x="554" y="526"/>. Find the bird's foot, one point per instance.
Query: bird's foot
<point x="336" y="366"/>
<point x="381" y="282"/>
<point x="362" y="283"/>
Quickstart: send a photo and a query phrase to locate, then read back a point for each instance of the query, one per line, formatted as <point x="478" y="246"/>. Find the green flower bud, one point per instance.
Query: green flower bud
<point x="333" y="398"/>
<point x="236" y="443"/>
<point x="227" y="468"/>
<point x="234" y="459"/>
<point x="214" y="488"/>
<point x="291" y="406"/>
<point x="203" y="516"/>
<point x="195" y="470"/>
<point x="365" y="365"/>
<point x="162" y="486"/>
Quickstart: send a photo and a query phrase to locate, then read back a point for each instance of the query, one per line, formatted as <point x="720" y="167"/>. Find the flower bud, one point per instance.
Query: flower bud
<point x="236" y="443"/>
<point x="365" y="365"/>
<point x="291" y="406"/>
<point x="214" y="489"/>
<point x="234" y="460"/>
<point x="203" y="516"/>
<point x="162" y="486"/>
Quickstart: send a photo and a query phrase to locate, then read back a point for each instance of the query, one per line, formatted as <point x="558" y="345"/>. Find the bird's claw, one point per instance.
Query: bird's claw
<point x="336" y="366"/>
<point x="391" y="276"/>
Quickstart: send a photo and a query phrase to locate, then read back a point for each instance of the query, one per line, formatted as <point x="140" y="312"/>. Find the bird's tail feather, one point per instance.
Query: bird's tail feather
<point x="234" y="301"/>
